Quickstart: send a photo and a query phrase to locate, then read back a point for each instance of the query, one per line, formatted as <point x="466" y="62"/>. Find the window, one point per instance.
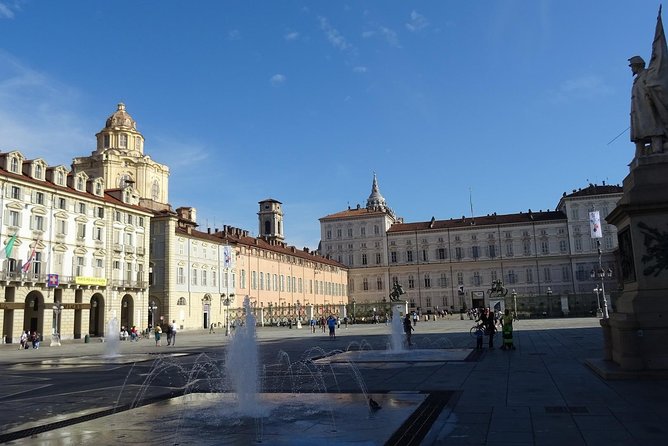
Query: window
<point x="16" y="193"/>
<point x="565" y="273"/>
<point x="476" y="278"/>
<point x="607" y="242"/>
<point x="82" y="208"/>
<point x="440" y="253"/>
<point x="97" y="233"/>
<point x="62" y="204"/>
<point x="193" y="277"/>
<point x="563" y="246"/>
<point x="458" y="253"/>
<point x="81" y="231"/>
<point x="14" y="218"/>
<point x="365" y="284"/>
<point x="492" y="251"/>
<point x="61" y="227"/>
<point x="140" y="222"/>
<point x="427" y="281"/>
<point x="511" y="276"/>
<point x="494" y="275"/>
<point x="329" y="234"/>
<point x="350" y="232"/>
<point x="475" y="252"/>
<point x="107" y="141"/>
<point x="39" y="198"/>
<point x="460" y="278"/>
<point x="409" y="256"/>
<point x="14" y="165"/>
<point x="80" y="184"/>
<point x="393" y="257"/>
<point x="99" y="267"/>
<point x="204" y="278"/>
<point x="378" y="258"/>
<point x="376" y="229"/>
<point x="575" y="213"/>
<point x="99" y="212"/>
<point x="545" y="247"/>
<point x="547" y="275"/>
<point x="364" y="262"/>
<point x="98" y="188"/>
<point x="282" y="282"/>
<point x="526" y="247"/>
<point x="578" y="244"/>
<point x="180" y="275"/>
<point x="79" y="264"/>
<point x="443" y="280"/>
<point x="509" y="249"/>
<point x="254" y="280"/>
<point x="261" y="280"/>
<point x="425" y="256"/>
<point x="350" y="260"/>
<point x="338" y="233"/>
<point x="38" y="223"/>
<point x="379" y="283"/>
<point x="123" y="140"/>
<point x="138" y="143"/>
<point x="411" y="282"/>
<point x="529" y="275"/>
<point x="362" y="231"/>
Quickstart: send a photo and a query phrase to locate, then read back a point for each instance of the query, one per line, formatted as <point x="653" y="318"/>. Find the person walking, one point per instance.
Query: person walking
<point x="172" y="330"/>
<point x="487" y="319"/>
<point x="331" y="323"/>
<point x="408" y="329"/>
<point x="158" y="335"/>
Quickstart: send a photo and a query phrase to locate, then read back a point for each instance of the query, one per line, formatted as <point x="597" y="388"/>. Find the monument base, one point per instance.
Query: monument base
<point x="636" y="334"/>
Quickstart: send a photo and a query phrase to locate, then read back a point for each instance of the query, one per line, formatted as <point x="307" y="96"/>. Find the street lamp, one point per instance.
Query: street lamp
<point x="227" y="300"/>
<point x="353" y="310"/>
<point x="460" y="292"/>
<point x="55" y="338"/>
<point x="513" y="294"/>
<point x="152" y="307"/>
<point x="601" y="274"/>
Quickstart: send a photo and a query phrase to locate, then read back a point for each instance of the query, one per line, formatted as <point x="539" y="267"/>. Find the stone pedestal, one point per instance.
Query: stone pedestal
<point x="636" y="333"/>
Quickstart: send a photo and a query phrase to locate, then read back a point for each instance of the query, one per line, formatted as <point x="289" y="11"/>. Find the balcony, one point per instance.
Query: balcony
<point x="129" y="284"/>
<point x="118" y="247"/>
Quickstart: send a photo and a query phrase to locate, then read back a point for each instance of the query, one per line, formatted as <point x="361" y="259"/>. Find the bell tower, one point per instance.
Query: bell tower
<point x="271" y="220"/>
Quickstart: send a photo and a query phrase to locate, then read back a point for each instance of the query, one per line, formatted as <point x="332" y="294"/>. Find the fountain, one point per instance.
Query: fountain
<point x="112" y="338"/>
<point x="397" y="333"/>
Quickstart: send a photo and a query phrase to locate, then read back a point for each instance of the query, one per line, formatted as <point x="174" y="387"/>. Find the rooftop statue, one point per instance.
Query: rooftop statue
<point x="649" y="97"/>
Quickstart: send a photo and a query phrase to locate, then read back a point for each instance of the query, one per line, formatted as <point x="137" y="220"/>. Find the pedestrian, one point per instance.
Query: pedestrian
<point x="487" y="319"/>
<point x="168" y="331"/>
<point x="133" y="334"/>
<point x="24" y="340"/>
<point x="331" y="323"/>
<point x="211" y="328"/>
<point x="408" y="329"/>
<point x="158" y="334"/>
<point x="345" y="321"/>
<point x="36" y="340"/>
<point x="173" y="332"/>
<point x="415" y="318"/>
<point x="312" y="323"/>
<point x="322" y="323"/>
<point x="507" y="331"/>
<point x="479" y="333"/>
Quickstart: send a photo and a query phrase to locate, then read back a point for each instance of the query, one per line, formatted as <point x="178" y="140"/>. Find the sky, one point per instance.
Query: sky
<point x="499" y="106"/>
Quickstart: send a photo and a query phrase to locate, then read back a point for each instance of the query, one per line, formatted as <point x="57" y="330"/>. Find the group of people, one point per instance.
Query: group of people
<point x="29" y="338"/>
<point x="170" y="331"/>
<point x="487" y="326"/>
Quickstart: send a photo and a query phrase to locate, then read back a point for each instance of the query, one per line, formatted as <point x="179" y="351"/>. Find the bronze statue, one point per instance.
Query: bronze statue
<point x="649" y="97"/>
<point x="397" y="291"/>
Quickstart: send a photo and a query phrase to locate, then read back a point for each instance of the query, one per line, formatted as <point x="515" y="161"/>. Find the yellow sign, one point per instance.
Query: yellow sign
<point x="84" y="280"/>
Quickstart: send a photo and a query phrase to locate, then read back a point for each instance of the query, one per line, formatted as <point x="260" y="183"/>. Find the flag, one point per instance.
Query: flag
<point x="657" y="76"/>
<point x="26" y="266"/>
<point x="10" y="246"/>
<point x="227" y="257"/>
<point x="595" y="224"/>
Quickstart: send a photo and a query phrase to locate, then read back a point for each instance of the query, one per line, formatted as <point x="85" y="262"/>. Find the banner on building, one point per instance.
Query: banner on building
<point x="595" y="224"/>
<point x="228" y="261"/>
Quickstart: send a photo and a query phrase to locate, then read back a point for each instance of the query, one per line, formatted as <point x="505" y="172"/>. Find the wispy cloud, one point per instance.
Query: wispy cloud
<point x="39" y="115"/>
<point x="360" y="69"/>
<point x="417" y="22"/>
<point x="277" y="79"/>
<point x="389" y="35"/>
<point x="333" y="35"/>
<point x="589" y="86"/>
<point x="293" y="35"/>
<point x="6" y="11"/>
<point x="177" y="153"/>
<point x="234" y="34"/>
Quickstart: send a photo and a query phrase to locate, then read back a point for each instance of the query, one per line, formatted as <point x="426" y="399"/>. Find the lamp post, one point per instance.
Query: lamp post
<point x="601" y="274"/>
<point x="460" y="292"/>
<point x="227" y="301"/>
<point x="152" y="307"/>
<point x="55" y="338"/>
<point x="353" y="310"/>
<point x="513" y="294"/>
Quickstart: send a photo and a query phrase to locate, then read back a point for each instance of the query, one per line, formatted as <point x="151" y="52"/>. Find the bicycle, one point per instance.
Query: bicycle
<point x="475" y="328"/>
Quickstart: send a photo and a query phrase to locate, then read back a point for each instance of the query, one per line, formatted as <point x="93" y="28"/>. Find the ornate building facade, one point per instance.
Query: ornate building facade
<point x="451" y="264"/>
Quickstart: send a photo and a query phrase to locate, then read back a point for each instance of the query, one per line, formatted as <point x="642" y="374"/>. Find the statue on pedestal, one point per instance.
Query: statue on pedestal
<point x="649" y="97"/>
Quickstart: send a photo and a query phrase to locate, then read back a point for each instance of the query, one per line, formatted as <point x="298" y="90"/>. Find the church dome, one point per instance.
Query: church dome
<point x="121" y="118"/>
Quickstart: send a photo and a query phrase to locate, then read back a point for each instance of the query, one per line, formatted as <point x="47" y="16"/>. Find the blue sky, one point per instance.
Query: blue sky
<point x="511" y="102"/>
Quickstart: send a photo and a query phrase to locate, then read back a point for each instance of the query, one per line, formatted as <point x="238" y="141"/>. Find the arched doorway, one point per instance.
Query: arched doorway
<point x="96" y="321"/>
<point x="127" y="311"/>
<point x="206" y="310"/>
<point x="33" y="314"/>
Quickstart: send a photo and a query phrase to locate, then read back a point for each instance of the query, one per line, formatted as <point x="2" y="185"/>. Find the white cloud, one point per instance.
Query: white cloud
<point x="234" y="34"/>
<point x="333" y="35"/>
<point x="177" y="154"/>
<point x="360" y="69"/>
<point x="277" y="79"/>
<point x="417" y="23"/>
<point x="39" y="115"/>
<point x="390" y="36"/>
<point x="589" y="86"/>
<point x="5" y="11"/>
<point x="367" y="34"/>
<point x="291" y="36"/>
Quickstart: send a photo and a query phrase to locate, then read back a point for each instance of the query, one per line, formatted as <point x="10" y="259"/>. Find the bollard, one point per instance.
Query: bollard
<point x="86" y="339"/>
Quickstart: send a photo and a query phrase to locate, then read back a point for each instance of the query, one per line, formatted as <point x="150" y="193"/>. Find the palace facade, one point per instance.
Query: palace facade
<point x="452" y="264"/>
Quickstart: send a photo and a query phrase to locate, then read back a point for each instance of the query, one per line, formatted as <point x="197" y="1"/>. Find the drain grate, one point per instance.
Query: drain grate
<point x="416" y="427"/>
<point x="566" y="409"/>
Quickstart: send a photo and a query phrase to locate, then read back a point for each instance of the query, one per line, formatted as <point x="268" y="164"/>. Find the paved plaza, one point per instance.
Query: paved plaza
<point x="542" y="393"/>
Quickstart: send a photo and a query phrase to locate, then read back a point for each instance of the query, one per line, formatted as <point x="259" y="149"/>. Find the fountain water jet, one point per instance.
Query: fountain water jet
<point x="397" y="333"/>
<point x="112" y="338"/>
